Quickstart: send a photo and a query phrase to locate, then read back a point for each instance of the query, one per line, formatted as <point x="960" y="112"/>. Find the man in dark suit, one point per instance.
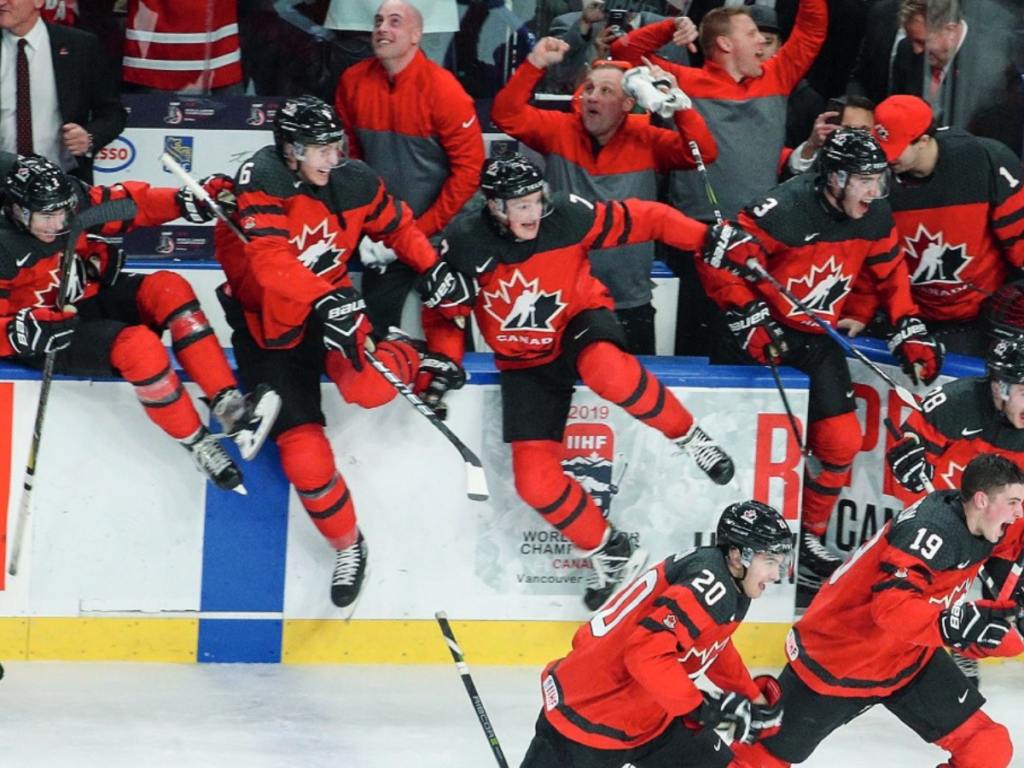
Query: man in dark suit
<point x="75" y="104"/>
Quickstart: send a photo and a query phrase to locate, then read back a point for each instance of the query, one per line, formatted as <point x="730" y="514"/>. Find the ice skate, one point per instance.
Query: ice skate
<point x="213" y="461"/>
<point x="247" y="419"/>
<point x="616" y="563"/>
<point x="709" y="457"/>
<point x="817" y="563"/>
<point x="349" y="571"/>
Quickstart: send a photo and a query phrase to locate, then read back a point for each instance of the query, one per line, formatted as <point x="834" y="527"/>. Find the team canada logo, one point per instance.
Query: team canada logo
<point x="588" y="459"/>
<point x="522" y="306"/>
<point x="166" y="244"/>
<point x="932" y="259"/>
<point x="821" y="290"/>
<point x="257" y="115"/>
<point x="316" y="248"/>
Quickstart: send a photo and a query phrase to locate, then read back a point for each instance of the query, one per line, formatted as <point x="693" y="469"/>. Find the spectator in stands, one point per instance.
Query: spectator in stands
<point x="589" y="36"/>
<point x="743" y="99"/>
<point x="285" y="47"/>
<point x="186" y="46"/>
<point x="412" y="122"/>
<point x="601" y="152"/>
<point x="958" y="68"/>
<point x="848" y="111"/>
<point x="873" y="71"/>
<point x="62" y="102"/>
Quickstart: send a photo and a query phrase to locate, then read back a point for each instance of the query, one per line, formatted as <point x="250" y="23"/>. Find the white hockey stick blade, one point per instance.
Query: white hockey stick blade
<point x="476" y="483"/>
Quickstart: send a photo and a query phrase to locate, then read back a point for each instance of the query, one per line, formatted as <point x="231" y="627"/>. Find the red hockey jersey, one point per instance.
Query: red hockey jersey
<point x="632" y="666"/>
<point x="817" y="253"/>
<point x="301" y="238"/>
<point x="961" y="229"/>
<point x="875" y="624"/>
<point x="530" y="290"/>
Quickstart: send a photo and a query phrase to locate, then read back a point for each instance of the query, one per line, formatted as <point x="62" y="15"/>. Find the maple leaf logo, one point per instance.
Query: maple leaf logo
<point x="522" y="306"/>
<point x="47" y="297"/>
<point x="316" y="248"/>
<point x="822" y="289"/>
<point x="952" y="475"/>
<point x="936" y="261"/>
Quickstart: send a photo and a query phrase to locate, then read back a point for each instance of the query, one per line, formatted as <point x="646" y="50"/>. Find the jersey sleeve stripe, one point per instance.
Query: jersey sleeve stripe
<point x="854" y="682"/>
<point x="653" y="626"/>
<point x="680" y="614"/>
<point x="606" y="226"/>
<point x="896" y="583"/>
<point x="376" y="212"/>
<point x="268" y="232"/>
<point x="881" y="258"/>
<point x="627" y="226"/>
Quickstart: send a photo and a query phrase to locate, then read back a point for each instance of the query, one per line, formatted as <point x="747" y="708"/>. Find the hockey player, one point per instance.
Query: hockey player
<point x="817" y="233"/>
<point x="115" y="319"/>
<point x="875" y="633"/>
<point x="625" y="694"/>
<point x="295" y="314"/>
<point x="600" y="151"/>
<point x="550" y="322"/>
<point x="955" y="423"/>
<point x="958" y="203"/>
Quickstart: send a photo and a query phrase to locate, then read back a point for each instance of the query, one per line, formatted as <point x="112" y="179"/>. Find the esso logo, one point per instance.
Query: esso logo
<point x="116" y="156"/>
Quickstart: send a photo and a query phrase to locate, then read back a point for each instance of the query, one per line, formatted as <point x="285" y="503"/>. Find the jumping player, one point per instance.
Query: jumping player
<point x="875" y="633"/>
<point x="114" y="320"/>
<point x="816" y="234"/>
<point x="625" y="694"/>
<point x="295" y="314"/>
<point x="550" y="322"/>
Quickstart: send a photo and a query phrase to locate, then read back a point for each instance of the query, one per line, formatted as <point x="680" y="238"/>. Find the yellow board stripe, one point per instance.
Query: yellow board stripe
<point x="317" y="641"/>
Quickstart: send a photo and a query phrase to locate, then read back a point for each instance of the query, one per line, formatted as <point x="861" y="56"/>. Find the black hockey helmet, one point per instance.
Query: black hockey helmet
<point x="753" y="527"/>
<point x="852" y="151"/>
<point x="1005" y="362"/>
<point x="505" y="178"/>
<point x="306" y="120"/>
<point x="35" y="185"/>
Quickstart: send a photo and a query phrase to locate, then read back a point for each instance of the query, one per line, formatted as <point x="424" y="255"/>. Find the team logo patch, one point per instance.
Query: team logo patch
<point x="936" y="260"/>
<point x="670" y="621"/>
<point x="589" y="449"/>
<point x="181" y="149"/>
<point x="550" y="688"/>
<point x="792" y="651"/>
<point x="316" y="248"/>
<point x="522" y="306"/>
<point x="821" y="290"/>
<point x="882" y="131"/>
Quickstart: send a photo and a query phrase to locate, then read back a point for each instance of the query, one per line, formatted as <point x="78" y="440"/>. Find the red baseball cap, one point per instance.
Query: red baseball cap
<point x="899" y="120"/>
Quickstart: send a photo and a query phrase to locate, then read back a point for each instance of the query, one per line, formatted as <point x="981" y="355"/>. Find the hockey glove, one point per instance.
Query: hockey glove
<point x="721" y="707"/>
<point x="658" y="96"/>
<point x="196" y="210"/>
<point x="450" y="292"/>
<point x="39" y="331"/>
<point x="103" y="260"/>
<point x="919" y="353"/>
<point x="438" y="374"/>
<point x="375" y="254"/>
<point x="984" y="623"/>
<point x="909" y="463"/>
<point x="728" y="247"/>
<point x="343" y="314"/>
<point x="756" y="331"/>
<point x="765" y="719"/>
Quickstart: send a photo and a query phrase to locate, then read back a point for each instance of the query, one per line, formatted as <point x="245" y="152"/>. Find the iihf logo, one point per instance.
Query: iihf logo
<point x="166" y="244"/>
<point x="174" y="114"/>
<point x="589" y="449"/>
<point x="257" y="116"/>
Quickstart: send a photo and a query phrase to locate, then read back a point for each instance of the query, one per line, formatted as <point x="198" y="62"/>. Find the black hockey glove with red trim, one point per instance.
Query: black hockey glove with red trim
<point x="446" y="290"/>
<point x="437" y="376"/>
<point x="984" y="623"/>
<point x="343" y="314"/>
<point x="728" y="247"/>
<point x="919" y="353"/>
<point x="725" y="707"/>
<point x="196" y="210"/>
<point x="766" y="719"/>
<point x="757" y="332"/>
<point x="40" y="330"/>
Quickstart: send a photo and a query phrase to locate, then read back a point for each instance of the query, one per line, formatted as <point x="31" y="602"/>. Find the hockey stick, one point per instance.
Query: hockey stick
<point x="702" y="169"/>
<point x="199" y="191"/>
<point x="813" y="464"/>
<point x="476" y="480"/>
<point x="897" y="435"/>
<point x="112" y="210"/>
<point x="902" y="392"/>
<point x="467" y="680"/>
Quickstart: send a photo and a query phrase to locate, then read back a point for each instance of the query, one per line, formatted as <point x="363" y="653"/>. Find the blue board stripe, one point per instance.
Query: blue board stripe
<point x="239" y="641"/>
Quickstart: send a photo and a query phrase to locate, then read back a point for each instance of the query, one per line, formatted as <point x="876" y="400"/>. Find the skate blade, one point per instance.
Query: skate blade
<point x="633" y="568"/>
<point x="267" y="409"/>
